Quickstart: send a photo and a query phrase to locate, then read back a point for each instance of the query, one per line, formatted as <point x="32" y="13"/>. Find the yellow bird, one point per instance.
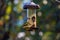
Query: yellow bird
<point x="9" y="8"/>
<point x="7" y="17"/>
<point x="19" y="7"/>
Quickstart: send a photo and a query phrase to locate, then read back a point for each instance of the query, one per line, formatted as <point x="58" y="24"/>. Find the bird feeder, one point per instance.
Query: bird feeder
<point x="31" y="15"/>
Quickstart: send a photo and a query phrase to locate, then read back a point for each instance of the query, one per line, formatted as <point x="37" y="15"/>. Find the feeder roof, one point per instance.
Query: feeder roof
<point x="31" y="5"/>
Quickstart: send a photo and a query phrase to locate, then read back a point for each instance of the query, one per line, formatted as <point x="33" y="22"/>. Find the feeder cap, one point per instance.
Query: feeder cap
<point x="31" y="5"/>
